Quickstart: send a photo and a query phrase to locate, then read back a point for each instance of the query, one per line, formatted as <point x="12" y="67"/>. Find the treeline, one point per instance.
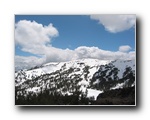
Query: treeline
<point x="124" y="96"/>
<point x="44" y="98"/>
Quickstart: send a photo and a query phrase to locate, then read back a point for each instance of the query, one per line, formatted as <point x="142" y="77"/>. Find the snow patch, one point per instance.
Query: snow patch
<point x="117" y="86"/>
<point x="93" y="93"/>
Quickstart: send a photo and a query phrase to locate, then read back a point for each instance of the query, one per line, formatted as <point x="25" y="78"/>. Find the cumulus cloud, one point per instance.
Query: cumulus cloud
<point x="59" y="55"/>
<point x="124" y="48"/>
<point x="115" y="23"/>
<point x="95" y="52"/>
<point x="35" y="38"/>
<point x="22" y="62"/>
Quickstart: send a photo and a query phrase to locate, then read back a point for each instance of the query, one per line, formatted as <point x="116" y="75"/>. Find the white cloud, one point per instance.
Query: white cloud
<point x="132" y="55"/>
<point x="115" y="23"/>
<point x="22" y="62"/>
<point x="59" y="55"/>
<point x="56" y="54"/>
<point x="35" y="38"/>
<point x="124" y="48"/>
<point x="95" y="52"/>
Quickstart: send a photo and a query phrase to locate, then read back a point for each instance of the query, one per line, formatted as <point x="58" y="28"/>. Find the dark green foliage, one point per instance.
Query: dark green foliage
<point x="44" y="98"/>
<point x="125" y="96"/>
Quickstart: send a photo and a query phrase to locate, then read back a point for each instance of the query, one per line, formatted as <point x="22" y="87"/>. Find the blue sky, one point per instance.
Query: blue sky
<point x="77" y="30"/>
<point x="107" y="33"/>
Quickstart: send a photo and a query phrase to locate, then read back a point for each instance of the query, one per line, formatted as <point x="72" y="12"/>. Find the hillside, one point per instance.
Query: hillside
<point x="85" y="78"/>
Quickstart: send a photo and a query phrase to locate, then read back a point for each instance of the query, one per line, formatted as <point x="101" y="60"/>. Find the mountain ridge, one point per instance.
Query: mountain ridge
<point x="89" y="77"/>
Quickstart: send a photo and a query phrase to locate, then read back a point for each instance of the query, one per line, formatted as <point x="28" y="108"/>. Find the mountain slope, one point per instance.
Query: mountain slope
<point x="116" y="74"/>
<point x="85" y="77"/>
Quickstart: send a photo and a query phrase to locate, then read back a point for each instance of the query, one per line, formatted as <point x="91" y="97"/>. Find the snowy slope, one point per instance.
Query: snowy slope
<point x="116" y="74"/>
<point x="122" y="65"/>
<point x="88" y="76"/>
<point x="54" y="66"/>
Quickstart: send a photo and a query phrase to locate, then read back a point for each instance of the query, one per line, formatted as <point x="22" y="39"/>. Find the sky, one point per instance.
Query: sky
<point x="55" y="38"/>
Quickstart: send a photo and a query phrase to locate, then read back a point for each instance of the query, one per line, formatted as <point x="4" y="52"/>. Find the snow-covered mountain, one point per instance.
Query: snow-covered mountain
<point x="88" y="77"/>
<point x="116" y="74"/>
